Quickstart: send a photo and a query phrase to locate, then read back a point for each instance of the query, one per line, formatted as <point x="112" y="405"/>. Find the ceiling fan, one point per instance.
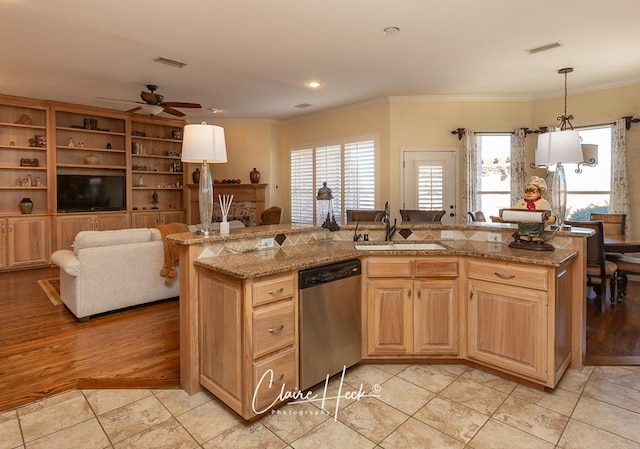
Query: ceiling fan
<point x="154" y="103"/>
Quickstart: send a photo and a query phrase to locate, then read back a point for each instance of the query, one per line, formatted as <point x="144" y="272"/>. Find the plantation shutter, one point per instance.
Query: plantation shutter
<point x="302" y="191"/>
<point x="359" y="175"/>
<point x="430" y="187"/>
<point x="329" y="170"/>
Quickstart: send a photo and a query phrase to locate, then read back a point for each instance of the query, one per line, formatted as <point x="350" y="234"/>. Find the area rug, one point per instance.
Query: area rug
<point x="51" y="288"/>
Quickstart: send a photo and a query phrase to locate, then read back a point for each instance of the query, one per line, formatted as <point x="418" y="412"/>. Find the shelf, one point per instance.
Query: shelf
<point x="22" y="188"/>
<point x="156" y="188"/>
<point x="20" y="167"/>
<point x="103" y="150"/>
<point x="156" y="156"/>
<point x="157" y="139"/>
<point x="89" y="131"/>
<point x="19" y="125"/>
<point x="92" y="167"/>
<point x="21" y="147"/>
<point x="157" y="172"/>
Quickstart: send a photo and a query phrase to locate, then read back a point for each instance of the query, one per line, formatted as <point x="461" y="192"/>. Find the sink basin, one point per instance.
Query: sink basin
<point x="401" y="247"/>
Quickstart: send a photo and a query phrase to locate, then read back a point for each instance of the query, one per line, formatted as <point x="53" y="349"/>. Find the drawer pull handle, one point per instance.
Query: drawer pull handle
<point x="505" y="275"/>
<point x="275" y="330"/>
<point x="276" y="291"/>
<point x="409" y="292"/>
<point x="278" y="380"/>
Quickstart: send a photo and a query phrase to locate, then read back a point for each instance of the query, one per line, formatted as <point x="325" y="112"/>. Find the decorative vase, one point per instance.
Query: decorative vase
<point x="91" y="159"/>
<point x="254" y="176"/>
<point x="196" y="176"/>
<point x="26" y="206"/>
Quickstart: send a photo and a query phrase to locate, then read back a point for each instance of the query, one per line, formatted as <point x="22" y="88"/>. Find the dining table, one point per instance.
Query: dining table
<point x="622" y="243"/>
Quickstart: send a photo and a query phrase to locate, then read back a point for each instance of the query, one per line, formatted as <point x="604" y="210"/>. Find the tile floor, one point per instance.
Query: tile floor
<point x="418" y="406"/>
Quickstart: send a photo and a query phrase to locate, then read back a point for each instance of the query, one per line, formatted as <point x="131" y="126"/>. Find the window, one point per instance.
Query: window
<point x="348" y="169"/>
<point x="590" y="191"/>
<point x="494" y="180"/>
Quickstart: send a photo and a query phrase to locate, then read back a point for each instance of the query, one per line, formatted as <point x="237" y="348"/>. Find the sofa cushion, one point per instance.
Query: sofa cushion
<point x="91" y="239"/>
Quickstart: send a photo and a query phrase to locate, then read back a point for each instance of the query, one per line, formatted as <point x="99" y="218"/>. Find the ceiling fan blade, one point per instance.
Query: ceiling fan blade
<point x="172" y="111"/>
<point x="148" y="97"/>
<point x="174" y="104"/>
<point x="134" y="109"/>
<point x="118" y="99"/>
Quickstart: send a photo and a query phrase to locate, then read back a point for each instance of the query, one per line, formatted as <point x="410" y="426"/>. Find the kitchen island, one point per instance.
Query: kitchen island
<point x="236" y="289"/>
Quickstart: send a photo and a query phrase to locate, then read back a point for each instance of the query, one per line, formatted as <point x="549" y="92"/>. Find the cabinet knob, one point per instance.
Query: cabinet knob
<point x="419" y="292"/>
<point x="275" y="330"/>
<point x="409" y="292"/>
<point x="471" y="295"/>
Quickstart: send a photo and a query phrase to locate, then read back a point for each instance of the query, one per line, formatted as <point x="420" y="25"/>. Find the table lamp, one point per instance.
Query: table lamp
<point x="205" y="144"/>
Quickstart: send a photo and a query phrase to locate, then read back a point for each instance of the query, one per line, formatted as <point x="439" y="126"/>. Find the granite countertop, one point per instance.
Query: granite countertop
<point x="290" y="258"/>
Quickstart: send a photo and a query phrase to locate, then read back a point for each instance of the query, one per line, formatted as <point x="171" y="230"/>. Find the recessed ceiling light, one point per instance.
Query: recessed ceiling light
<point x="171" y="62"/>
<point x="390" y="31"/>
<point x="214" y="110"/>
<point x="314" y="84"/>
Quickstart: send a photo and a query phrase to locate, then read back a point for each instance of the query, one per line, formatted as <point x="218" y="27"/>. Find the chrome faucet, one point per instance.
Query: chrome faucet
<point x="389" y="230"/>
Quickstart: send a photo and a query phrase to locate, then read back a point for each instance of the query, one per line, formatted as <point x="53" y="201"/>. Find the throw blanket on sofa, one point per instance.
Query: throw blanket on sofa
<point x="171" y="254"/>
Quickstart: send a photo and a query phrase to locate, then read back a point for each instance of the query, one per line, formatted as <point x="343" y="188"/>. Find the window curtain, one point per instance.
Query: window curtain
<point x="518" y="164"/>
<point x="619" y="203"/>
<point x="473" y="171"/>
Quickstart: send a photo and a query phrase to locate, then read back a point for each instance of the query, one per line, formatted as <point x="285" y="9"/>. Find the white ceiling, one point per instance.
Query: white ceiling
<point x="252" y="58"/>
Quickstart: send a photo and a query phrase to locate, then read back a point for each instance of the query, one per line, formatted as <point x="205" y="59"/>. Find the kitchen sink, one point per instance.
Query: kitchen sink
<point x="401" y="247"/>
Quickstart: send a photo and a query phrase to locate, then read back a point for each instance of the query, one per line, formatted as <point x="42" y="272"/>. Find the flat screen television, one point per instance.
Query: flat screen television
<point x="85" y="193"/>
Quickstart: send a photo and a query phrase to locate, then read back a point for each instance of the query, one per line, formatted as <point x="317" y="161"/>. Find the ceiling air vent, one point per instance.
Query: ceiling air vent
<point x="533" y="51"/>
<point x="170" y="62"/>
<point x="302" y="105"/>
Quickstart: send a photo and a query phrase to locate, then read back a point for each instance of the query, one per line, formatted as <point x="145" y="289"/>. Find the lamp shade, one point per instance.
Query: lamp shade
<point x="558" y="146"/>
<point x="202" y="143"/>
<point x="590" y="153"/>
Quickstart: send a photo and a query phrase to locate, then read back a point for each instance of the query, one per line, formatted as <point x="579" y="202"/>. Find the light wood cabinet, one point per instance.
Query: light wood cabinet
<point x="151" y="219"/>
<point x="68" y="225"/>
<point x="248" y="339"/>
<point x="24" y="241"/>
<point x="518" y="318"/>
<point x="412" y="306"/>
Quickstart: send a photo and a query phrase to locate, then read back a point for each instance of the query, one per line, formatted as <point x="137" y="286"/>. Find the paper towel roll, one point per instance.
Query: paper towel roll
<point x="524" y="215"/>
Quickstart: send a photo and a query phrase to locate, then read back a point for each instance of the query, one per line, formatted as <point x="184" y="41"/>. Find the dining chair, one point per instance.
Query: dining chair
<point x="271" y="215"/>
<point x="613" y="223"/>
<point x="422" y="216"/>
<point x="478" y="216"/>
<point x="599" y="270"/>
<point x="354" y="215"/>
<point x="626" y="265"/>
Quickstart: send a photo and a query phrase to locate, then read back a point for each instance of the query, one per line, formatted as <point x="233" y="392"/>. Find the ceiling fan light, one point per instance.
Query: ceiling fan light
<point x="151" y="109"/>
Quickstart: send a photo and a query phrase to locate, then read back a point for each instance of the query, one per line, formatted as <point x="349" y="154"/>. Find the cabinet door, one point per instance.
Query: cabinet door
<point x="507" y="327"/>
<point x="3" y="243"/>
<point x="436" y="317"/>
<point x="110" y="222"/>
<point x="145" y="219"/>
<point x="177" y="216"/>
<point x="67" y="227"/>
<point x="389" y="311"/>
<point x="28" y="241"/>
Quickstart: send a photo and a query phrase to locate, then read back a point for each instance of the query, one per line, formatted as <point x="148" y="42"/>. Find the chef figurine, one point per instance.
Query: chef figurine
<point x="535" y="188"/>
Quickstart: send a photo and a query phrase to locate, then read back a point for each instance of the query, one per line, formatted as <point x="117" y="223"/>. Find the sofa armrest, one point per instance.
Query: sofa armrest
<point x="67" y="261"/>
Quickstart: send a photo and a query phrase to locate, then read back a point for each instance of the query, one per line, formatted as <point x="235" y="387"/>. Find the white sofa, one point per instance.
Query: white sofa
<point x="110" y="270"/>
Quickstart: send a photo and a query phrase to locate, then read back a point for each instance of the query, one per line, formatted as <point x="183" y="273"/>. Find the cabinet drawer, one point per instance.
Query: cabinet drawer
<point x="503" y="273"/>
<point x="272" y="289"/>
<point x="273" y="327"/>
<point x="269" y="374"/>
<point x="435" y="268"/>
<point x="388" y="267"/>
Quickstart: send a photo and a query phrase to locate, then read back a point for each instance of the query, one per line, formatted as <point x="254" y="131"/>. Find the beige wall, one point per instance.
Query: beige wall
<point x="398" y="124"/>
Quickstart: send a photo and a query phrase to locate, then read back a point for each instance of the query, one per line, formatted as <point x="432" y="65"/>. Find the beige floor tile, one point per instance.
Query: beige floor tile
<point x="482" y="399"/>
<point x="179" y="401"/>
<point x="497" y="435"/>
<point x="628" y="376"/>
<point x="103" y="401"/>
<point x="605" y="391"/>
<point x="575" y="380"/>
<point x="578" y="435"/>
<point x="246" y="436"/>
<point x="53" y="414"/>
<point x="292" y="421"/>
<point x="332" y="434"/>
<point x="456" y="420"/>
<point x="393" y="368"/>
<point x="133" y="418"/>
<point x="532" y="418"/>
<point x="366" y="375"/>
<point x="432" y="377"/>
<point x="85" y="435"/>
<point x="372" y="418"/>
<point x="608" y="417"/>
<point x="168" y="434"/>
<point x="455" y="368"/>
<point x="414" y="434"/>
<point x="10" y="435"/>
<point x="336" y="394"/>
<point x="404" y="395"/>
<point x="490" y="380"/>
<point x="209" y="420"/>
<point x="558" y="399"/>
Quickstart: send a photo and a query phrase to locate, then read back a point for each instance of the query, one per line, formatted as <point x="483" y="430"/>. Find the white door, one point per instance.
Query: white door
<point x="430" y="180"/>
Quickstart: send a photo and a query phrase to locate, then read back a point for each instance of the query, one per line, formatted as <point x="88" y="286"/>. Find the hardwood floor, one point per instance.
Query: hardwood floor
<point x="44" y="350"/>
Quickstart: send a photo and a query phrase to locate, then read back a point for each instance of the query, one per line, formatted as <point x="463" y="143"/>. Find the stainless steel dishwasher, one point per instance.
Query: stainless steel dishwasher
<point x="330" y="320"/>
